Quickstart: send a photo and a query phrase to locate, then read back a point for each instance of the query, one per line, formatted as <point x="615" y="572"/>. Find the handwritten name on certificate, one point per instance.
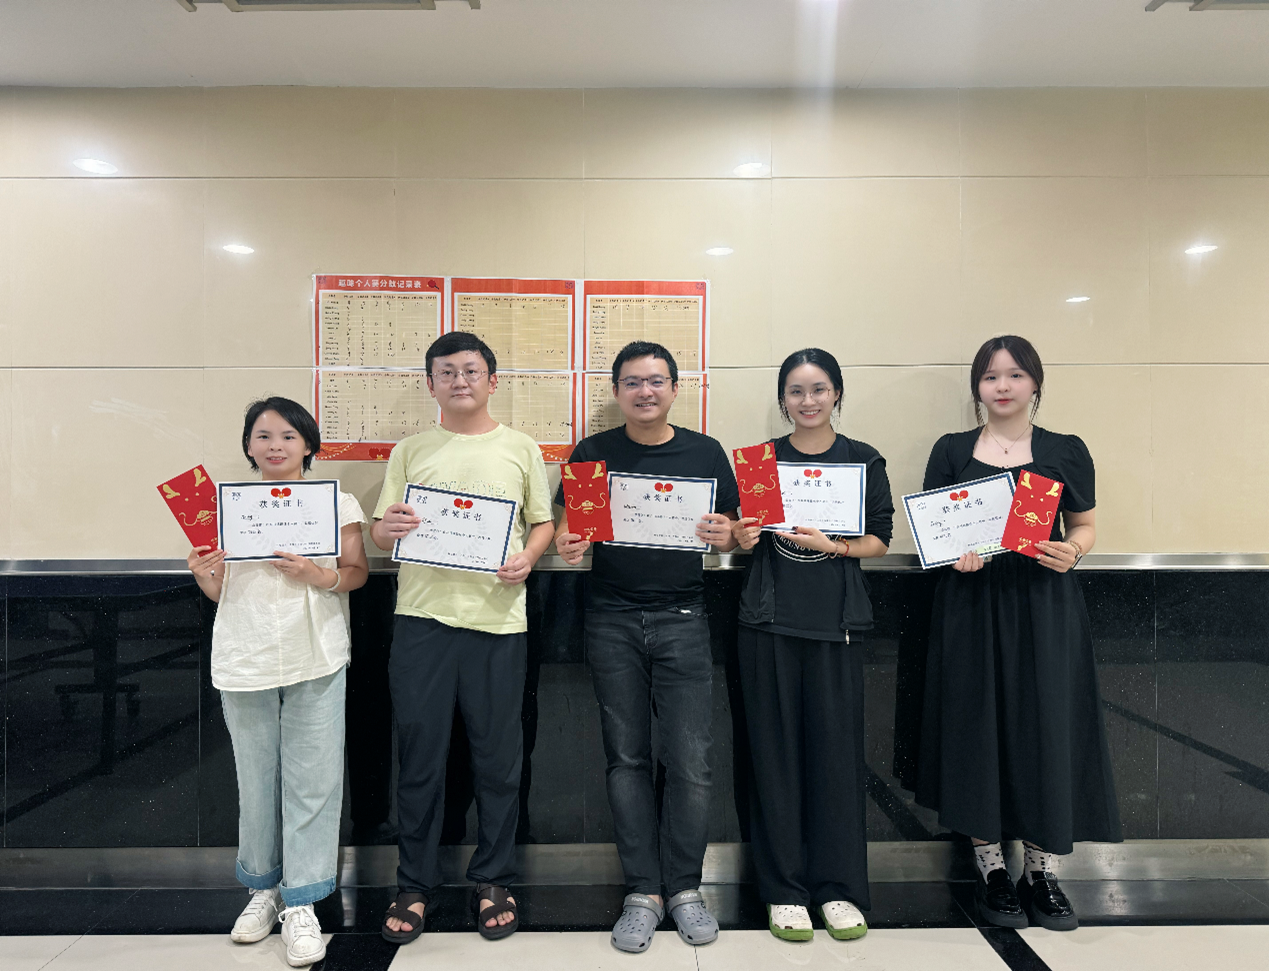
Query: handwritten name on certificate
<point x="967" y="518"/>
<point x="829" y="498"/>
<point x="298" y="516"/>
<point x="650" y="510"/>
<point x="458" y="531"/>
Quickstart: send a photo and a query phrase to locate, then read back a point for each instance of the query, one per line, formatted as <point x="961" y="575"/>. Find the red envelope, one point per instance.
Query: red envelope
<point x="1035" y="507"/>
<point x="759" y="482"/>
<point x="192" y="498"/>
<point x="586" y="499"/>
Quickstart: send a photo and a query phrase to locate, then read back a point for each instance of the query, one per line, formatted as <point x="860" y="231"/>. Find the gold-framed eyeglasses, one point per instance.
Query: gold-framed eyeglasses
<point x="817" y="393"/>
<point x="447" y="375"/>
<point x="656" y="383"/>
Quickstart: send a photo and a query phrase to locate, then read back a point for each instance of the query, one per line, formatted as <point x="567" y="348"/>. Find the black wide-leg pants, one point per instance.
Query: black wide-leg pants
<point x="804" y="707"/>
<point x="433" y="667"/>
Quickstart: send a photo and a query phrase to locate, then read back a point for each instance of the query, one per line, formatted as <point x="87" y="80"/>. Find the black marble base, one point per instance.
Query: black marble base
<point x="113" y="734"/>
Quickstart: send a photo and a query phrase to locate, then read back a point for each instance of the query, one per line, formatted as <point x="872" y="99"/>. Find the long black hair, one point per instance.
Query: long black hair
<point x="822" y="360"/>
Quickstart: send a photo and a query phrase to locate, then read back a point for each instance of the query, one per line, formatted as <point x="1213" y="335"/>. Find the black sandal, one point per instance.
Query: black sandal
<point x="500" y="898"/>
<point x="400" y="909"/>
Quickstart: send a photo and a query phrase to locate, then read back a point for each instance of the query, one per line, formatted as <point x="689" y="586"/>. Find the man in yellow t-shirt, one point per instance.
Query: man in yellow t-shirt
<point x="460" y="638"/>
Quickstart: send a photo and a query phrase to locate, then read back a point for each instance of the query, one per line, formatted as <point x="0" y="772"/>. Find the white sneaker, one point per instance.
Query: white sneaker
<point x="302" y="935"/>
<point x="256" y="922"/>
<point x="843" y="920"/>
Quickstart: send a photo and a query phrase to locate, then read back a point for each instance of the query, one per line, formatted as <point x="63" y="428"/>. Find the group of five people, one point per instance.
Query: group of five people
<point x="1011" y="744"/>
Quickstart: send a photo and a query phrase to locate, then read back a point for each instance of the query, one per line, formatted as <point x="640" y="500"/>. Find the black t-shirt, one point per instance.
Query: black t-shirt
<point x="634" y="578"/>
<point x="810" y="585"/>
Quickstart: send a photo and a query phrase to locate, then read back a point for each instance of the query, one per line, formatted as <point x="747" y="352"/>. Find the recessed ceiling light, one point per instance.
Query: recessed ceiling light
<point x="749" y="170"/>
<point x="96" y="166"/>
<point x="719" y="251"/>
<point x="1200" y="249"/>
<point x="1078" y="299"/>
<point x="238" y="248"/>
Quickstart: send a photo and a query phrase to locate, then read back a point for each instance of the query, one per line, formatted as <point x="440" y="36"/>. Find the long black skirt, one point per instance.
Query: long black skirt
<point x="1012" y="739"/>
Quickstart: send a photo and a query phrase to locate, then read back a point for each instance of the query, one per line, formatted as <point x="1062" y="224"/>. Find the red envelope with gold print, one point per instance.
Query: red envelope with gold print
<point x="1035" y="507"/>
<point x="192" y="498"/>
<point x="586" y="499"/>
<point x="759" y="482"/>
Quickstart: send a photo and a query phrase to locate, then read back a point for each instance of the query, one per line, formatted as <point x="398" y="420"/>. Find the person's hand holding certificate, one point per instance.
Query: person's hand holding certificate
<point x="650" y="510"/>
<point x="259" y="518"/>
<point x="967" y="518"/>
<point x="456" y="531"/>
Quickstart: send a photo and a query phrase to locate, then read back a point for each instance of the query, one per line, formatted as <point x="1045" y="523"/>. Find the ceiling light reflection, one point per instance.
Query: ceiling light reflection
<point x="1200" y="249"/>
<point x="749" y="170"/>
<point x="719" y="251"/>
<point x="238" y="248"/>
<point x="96" y="166"/>
<point x="1078" y="299"/>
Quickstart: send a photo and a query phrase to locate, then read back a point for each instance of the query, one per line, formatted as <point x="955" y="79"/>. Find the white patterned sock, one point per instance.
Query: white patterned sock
<point x="1035" y="861"/>
<point x="988" y="857"/>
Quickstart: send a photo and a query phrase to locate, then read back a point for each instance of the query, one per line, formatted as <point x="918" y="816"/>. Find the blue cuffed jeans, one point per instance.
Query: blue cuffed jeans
<point x="641" y="661"/>
<point x="289" y="751"/>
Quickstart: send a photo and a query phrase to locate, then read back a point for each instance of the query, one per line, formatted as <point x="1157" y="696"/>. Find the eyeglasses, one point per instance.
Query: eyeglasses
<point x="656" y="383"/>
<point x="447" y="375"/>
<point x="817" y="392"/>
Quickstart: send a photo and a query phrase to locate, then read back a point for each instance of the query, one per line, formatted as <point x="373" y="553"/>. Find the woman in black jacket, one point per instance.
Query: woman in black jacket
<point x="804" y="599"/>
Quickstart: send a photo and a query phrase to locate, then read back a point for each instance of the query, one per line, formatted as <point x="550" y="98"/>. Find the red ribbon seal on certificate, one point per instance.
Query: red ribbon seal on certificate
<point x="192" y="498"/>
<point x="586" y="499"/>
<point x="1035" y="507"/>
<point x="759" y="482"/>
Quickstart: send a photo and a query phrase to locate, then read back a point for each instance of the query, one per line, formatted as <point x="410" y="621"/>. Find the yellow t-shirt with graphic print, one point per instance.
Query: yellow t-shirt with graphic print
<point x="504" y="463"/>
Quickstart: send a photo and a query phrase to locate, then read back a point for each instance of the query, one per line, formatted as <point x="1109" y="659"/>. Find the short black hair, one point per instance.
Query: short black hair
<point x="823" y="360"/>
<point x="456" y="342"/>
<point x="291" y="412"/>
<point x="638" y="349"/>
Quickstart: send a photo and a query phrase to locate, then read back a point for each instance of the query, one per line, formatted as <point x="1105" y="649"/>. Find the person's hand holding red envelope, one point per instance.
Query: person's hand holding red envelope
<point x="1031" y="517"/>
<point x="586" y="500"/>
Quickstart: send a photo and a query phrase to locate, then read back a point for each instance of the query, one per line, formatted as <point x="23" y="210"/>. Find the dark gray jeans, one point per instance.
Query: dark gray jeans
<point x="641" y="661"/>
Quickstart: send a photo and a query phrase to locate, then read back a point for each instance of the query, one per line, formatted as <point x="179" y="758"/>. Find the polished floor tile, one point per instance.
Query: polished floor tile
<point x="37" y="912"/>
<point x="30" y="953"/>
<point x="187" y="952"/>
<point x="1151" y="948"/>
<point x="948" y="949"/>
<point x="582" y="951"/>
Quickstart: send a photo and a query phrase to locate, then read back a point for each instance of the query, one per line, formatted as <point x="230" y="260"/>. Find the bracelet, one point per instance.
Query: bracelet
<point x="1079" y="552"/>
<point x="335" y="586"/>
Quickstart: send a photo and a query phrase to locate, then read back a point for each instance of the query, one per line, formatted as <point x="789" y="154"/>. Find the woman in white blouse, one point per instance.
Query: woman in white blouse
<point x="280" y="645"/>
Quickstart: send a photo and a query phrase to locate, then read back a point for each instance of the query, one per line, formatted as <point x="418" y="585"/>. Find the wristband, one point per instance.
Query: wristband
<point x="335" y="586"/>
<point x="1079" y="552"/>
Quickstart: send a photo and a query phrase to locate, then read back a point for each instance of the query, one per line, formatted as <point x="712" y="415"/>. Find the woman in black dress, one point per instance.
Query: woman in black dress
<point x="1012" y="740"/>
<point x="803" y="605"/>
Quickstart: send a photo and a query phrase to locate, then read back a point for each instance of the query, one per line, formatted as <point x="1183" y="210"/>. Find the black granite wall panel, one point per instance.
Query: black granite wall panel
<point x="114" y="736"/>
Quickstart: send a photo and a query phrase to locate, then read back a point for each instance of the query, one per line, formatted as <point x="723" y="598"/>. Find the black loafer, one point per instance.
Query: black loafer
<point x="1046" y="904"/>
<point x="997" y="900"/>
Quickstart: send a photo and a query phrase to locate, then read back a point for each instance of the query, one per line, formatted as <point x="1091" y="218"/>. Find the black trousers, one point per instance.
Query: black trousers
<point x="432" y="668"/>
<point x="804" y="706"/>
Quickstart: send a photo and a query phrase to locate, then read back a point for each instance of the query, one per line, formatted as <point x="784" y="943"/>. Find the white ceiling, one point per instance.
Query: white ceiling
<point x="637" y="43"/>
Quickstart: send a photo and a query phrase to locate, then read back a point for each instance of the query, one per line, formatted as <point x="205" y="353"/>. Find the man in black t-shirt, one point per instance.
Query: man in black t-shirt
<point x="648" y="645"/>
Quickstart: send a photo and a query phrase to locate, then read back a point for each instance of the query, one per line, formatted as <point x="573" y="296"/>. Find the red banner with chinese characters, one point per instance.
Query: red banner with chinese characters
<point x="586" y="500"/>
<point x="1035" y="507"/>
<point x="759" y="482"/>
<point x="192" y="498"/>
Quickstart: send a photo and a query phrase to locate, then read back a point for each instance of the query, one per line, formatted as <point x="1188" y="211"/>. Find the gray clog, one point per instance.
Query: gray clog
<point x="696" y="924"/>
<point x="640" y="915"/>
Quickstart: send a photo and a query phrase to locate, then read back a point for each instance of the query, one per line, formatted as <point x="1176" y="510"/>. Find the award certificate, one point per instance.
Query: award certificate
<point x="298" y="516"/>
<point x="458" y="532"/>
<point x="967" y="518"/>
<point x="828" y="497"/>
<point x="650" y="510"/>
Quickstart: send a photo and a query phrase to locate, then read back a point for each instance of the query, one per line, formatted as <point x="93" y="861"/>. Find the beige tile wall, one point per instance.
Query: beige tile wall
<point x="896" y="228"/>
